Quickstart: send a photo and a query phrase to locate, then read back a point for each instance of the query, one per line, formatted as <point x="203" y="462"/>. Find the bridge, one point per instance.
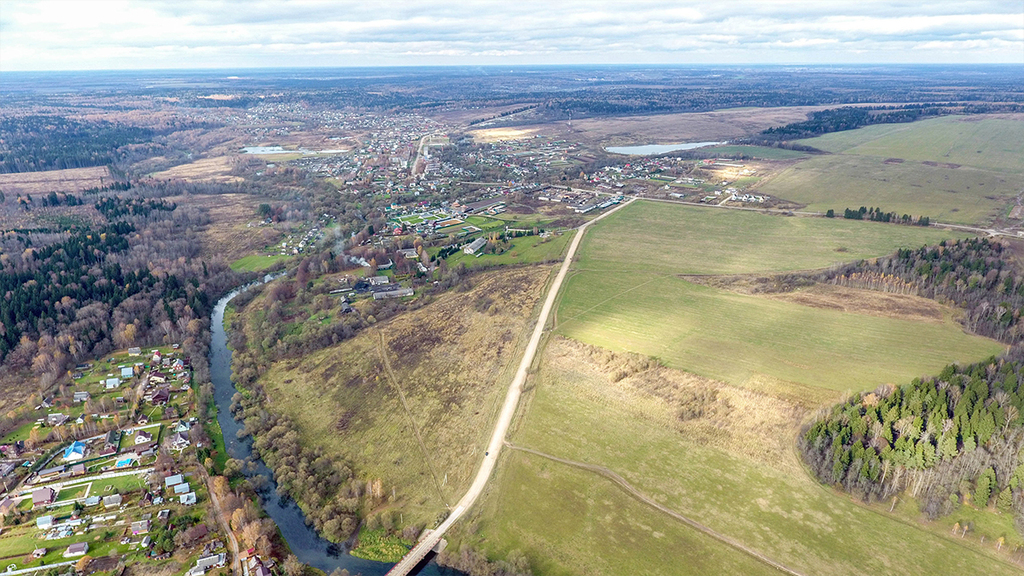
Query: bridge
<point x="508" y="409"/>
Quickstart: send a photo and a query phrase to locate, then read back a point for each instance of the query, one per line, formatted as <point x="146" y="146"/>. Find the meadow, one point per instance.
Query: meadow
<point x="673" y="239"/>
<point x="740" y="477"/>
<point x="744" y="339"/>
<point x="960" y="169"/>
<point x="257" y="262"/>
<point x="451" y="359"/>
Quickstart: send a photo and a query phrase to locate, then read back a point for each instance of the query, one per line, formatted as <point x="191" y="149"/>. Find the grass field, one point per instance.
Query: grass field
<point x="524" y="250"/>
<point x="741" y="339"/>
<point x="571" y="522"/>
<point x="669" y="238"/>
<point x="992" y="142"/>
<point x="257" y="262"/>
<point x="764" y="152"/>
<point x="452" y="359"/>
<point x="963" y="169"/>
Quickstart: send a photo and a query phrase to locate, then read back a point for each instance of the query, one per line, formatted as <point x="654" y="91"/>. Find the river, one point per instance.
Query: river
<point x="304" y="542"/>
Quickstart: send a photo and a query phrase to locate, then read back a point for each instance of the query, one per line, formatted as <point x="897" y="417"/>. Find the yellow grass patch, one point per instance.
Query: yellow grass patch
<point x="215" y="169"/>
<point x="70" y="180"/>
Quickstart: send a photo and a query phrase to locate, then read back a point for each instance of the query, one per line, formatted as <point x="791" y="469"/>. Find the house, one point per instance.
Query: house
<point x="112" y="501"/>
<point x="409" y="253"/>
<point x="146" y="542"/>
<point x="127" y="372"/>
<point x="161" y="396"/>
<point x="7" y="506"/>
<point x="182" y="488"/>
<point x="43" y="496"/>
<point x="180" y="441"/>
<point x="7" y="467"/>
<point x="111" y="383"/>
<point x="141" y="437"/>
<point x="196" y="533"/>
<point x="56" y="419"/>
<point x="143" y="420"/>
<point x="173" y="480"/>
<point x="207" y="562"/>
<point x="164" y="514"/>
<point x="81" y="396"/>
<point x="51" y="472"/>
<point x="475" y="246"/>
<point x="378" y="280"/>
<point x="140" y="527"/>
<point x="92" y="501"/>
<point x="44" y="522"/>
<point x="39" y="553"/>
<point x="396" y="293"/>
<point x="188" y="499"/>
<point x="76" y="451"/>
<point x="183" y="426"/>
<point x="78" y="470"/>
<point x="156" y="357"/>
<point x="76" y="549"/>
<point x="13" y="450"/>
<point x="135" y="351"/>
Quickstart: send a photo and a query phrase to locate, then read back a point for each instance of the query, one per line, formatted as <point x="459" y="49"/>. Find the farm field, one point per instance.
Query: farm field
<point x="228" y="233"/>
<point x="69" y="180"/>
<point x="990" y="141"/>
<point x="672" y="239"/>
<point x="750" y="340"/>
<point x="763" y="152"/>
<point x="452" y="359"/>
<point x="732" y="469"/>
<point x="962" y="169"/>
<point x="215" y="169"/>
<point x="963" y="195"/>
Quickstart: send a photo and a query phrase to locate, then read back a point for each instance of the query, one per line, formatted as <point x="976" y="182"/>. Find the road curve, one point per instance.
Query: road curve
<point x="508" y="409"/>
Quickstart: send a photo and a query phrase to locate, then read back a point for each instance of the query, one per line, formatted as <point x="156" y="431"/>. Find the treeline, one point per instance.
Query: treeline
<point x="950" y="440"/>
<point x="74" y="295"/>
<point x="503" y="114"/>
<point x="876" y="215"/>
<point x="26" y="202"/>
<point x="114" y="207"/>
<point x="37" y="143"/>
<point x="325" y="488"/>
<point x="851" y="117"/>
<point x="975" y="274"/>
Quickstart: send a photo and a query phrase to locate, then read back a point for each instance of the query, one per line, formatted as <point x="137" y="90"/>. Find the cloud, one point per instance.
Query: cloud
<point x="117" y="34"/>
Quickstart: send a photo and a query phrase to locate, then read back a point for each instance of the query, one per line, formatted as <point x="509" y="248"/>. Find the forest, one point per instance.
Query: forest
<point x="850" y="118"/>
<point x="976" y="275"/>
<point x="136" y="280"/>
<point x="37" y="143"/>
<point x="951" y="440"/>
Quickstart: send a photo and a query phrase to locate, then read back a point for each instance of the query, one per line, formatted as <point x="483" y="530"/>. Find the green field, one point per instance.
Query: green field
<point x="739" y="338"/>
<point x="980" y="141"/>
<point x="573" y="522"/>
<point x="674" y="239"/>
<point x="257" y="262"/>
<point x="962" y="169"/>
<point x="524" y="250"/>
<point x="764" y="152"/>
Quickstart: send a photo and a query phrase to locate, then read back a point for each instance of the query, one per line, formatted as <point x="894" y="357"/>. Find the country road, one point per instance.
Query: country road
<point x="508" y="410"/>
<point x="218" y="512"/>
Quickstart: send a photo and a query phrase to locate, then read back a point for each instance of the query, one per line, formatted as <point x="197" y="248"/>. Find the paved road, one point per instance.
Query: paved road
<point x="508" y="410"/>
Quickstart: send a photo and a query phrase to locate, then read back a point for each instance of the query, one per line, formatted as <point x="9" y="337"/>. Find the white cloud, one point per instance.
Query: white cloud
<point x="160" y="34"/>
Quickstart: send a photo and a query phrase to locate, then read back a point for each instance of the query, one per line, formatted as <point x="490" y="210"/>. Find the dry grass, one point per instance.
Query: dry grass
<point x="228" y="234"/>
<point x="215" y="169"/>
<point x="452" y="359"/>
<point x="868" y="302"/>
<point x="70" y="180"/>
<point x="753" y="424"/>
<point x="675" y="128"/>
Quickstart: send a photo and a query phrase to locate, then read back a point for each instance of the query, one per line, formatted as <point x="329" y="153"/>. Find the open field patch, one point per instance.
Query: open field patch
<point x="452" y="359"/>
<point x="576" y="410"/>
<point x="69" y="180"/>
<point x="216" y="169"/>
<point x="232" y="231"/>
<point x="990" y="141"/>
<point x="674" y="239"/>
<point x="948" y="194"/>
<point x="738" y="338"/>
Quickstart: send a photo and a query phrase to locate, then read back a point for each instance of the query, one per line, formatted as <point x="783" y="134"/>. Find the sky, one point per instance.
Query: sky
<point x="157" y="34"/>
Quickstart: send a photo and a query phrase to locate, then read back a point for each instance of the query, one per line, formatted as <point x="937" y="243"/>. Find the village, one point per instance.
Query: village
<point x="113" y="473"/>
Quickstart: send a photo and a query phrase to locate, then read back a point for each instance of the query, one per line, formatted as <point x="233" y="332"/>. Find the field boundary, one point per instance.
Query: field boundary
<point x="644" y="499"/>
